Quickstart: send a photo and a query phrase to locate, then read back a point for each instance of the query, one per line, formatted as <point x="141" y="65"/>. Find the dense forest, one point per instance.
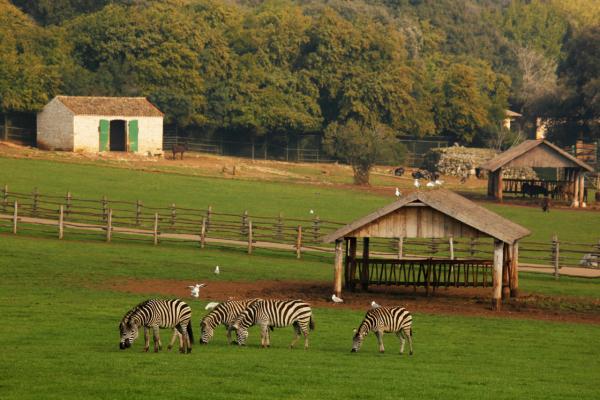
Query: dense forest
<point x="276" y="68"/>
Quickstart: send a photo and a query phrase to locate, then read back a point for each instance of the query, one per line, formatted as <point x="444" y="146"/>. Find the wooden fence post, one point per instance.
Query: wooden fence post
<point x="35" y="200"/>
<point x="337" y="274"/>
<point x="472" y="247"/>
<point x="155" y="229"/>
<point x="15" y="220"/>
<point x="556" y="256"/>
<point x="103" y="208"/>
<point x="203" y="233"/>
<point x="5" y="202"/>
<point x="317" y="227"/>
<point x="208" y="212"/>
<point x="68" y="204"/>
<point x="249" y="237"/>
<point x="139" y="212"/>
<point x="280" y="226"/>
<point x="451" y="243"/>
<point x="173" y="216"/>
<point x="400" y="245"/>
<point x="60" y="222"/>
<point x="244" y="222"/>
<point x="108" y="225"/>
<point x="299" y="241"/>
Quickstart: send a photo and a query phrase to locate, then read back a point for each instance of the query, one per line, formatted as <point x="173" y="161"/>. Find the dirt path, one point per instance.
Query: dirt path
<point x="454" y="301"/>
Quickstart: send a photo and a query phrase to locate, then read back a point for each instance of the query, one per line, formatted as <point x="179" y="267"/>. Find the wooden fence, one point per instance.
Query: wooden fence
<point x="135" y="221"/>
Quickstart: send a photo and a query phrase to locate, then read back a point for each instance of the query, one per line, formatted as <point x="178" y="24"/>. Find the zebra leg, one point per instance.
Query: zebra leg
<point x="409" y="336"/>
<point x="175" y="334"/>
<point x="402" y="341"/>
<point x="146" y="339"/>
<point x="264" y="334"/>
<point x="379" y="335"/>
<point x="306" y="335"/>
<point x="157" y="343"/>
<point x="186" y="338"/>
<point x="298" y="334"/>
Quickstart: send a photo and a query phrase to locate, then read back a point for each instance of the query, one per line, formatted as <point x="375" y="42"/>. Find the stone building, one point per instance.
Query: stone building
<point x="95" y="124"/>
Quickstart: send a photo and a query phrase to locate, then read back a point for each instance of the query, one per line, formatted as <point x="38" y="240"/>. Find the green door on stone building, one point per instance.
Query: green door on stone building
<point x="133" y="135"/>
<point x="104" y="134"/>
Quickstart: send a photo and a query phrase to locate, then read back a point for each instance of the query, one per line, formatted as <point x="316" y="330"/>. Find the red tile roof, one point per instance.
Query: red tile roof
<point x="111" y="106"/>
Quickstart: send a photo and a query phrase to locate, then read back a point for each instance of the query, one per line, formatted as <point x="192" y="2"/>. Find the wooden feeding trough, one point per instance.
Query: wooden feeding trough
<point x="540" y="154"/>
<point x="436" y="213"/>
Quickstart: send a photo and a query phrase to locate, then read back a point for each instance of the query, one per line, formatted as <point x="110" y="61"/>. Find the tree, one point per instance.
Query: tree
<point x="363" y="147"/>
<point x="459" y="110"/>
<point x="177" y="107"/>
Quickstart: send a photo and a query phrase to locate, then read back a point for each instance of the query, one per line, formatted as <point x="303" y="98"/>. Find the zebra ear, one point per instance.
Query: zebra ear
<point x="354" y="330"/>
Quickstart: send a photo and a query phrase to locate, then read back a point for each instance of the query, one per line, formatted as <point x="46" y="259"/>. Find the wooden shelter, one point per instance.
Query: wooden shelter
<point x="435" y="213"/>
<point x="540" y="154"/>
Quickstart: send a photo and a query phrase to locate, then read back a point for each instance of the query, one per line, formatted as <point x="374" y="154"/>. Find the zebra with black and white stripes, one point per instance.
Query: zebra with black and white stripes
<point x="226" y="314"/>
<point x="275" y="313"/>
<point x="385" y="319"/>
<point x="155" y="314"/>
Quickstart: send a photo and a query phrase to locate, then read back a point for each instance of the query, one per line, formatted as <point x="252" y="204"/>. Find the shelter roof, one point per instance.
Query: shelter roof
<point x="512" y="114"/>
<point x="111" y="106"/>
<point x="535" y="153"/>
<point x="449" y="204"/>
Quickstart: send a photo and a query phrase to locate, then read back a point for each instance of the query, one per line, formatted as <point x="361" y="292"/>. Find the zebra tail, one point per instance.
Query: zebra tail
<point x="312" y="322"/>
<point x="190" y="332"/>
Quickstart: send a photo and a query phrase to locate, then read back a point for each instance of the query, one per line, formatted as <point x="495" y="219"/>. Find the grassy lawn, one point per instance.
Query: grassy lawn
<point x="61" y="341"/>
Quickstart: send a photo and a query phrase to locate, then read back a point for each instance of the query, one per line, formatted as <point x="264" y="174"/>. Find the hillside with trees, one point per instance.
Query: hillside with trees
<point x="274" y="69"/>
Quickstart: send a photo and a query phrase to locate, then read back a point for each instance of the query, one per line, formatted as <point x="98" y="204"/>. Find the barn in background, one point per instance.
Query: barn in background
<point x="95" y="124"/>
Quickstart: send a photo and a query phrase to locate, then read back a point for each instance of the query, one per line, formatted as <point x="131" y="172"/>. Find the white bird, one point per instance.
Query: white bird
<point x="211" y="305"/>
<point x="398" y="193"/>
<point x="440" y="182"/>
<point x="431" y="184"/>
<point x="417" y="184"/>
<point x="375" y="305"/>
<point x="336" y="299"/>
<point x="311" y="211"/>
<point x="197" y="156"/>
<point x="196" y="290"/>
<point x="217" y="270"/>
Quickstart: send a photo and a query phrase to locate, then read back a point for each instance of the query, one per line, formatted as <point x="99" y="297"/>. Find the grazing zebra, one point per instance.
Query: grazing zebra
<point x="224" y="313"/>
<point x="155" y="314"/>
<point x="277" y="313"/>
<point x="385" y="319"/>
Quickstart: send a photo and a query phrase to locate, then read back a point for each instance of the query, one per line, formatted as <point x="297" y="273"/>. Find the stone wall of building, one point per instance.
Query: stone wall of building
<point x="55" y="127"/>
<point x="87" y="132"/>
<point x="460" y="161"/>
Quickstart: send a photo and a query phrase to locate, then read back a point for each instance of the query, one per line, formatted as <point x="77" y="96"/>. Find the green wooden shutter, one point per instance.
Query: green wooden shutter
<point x="133" y="135"/>
<point x="104" y="134"/>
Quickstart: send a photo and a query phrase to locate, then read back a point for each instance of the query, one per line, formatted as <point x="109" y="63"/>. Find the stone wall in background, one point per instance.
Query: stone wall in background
<point x="460" y="161"/>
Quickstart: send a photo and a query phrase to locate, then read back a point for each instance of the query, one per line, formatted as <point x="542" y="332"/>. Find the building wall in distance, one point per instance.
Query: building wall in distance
<point x="55" y="127"/>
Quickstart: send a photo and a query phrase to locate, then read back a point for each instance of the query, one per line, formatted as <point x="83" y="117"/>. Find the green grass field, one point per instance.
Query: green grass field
<point x="59" y="336"/>
<point x="60" y="339"/>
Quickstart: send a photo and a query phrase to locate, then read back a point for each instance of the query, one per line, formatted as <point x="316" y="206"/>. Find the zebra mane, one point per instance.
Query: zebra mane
<point x="134" y="311"/>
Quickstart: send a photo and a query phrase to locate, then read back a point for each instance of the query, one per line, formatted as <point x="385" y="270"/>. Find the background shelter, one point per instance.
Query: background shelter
<point x="95" y="124"/>
<point x="435" y="213"/>
<point x="538" y="154"/>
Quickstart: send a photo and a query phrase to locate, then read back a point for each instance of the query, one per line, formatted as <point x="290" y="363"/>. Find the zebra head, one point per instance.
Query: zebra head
<point x="358" y="340"/>
<point x="207" y="332"/>
<point x="242" y="334"/>
<point x="129" y="333"/>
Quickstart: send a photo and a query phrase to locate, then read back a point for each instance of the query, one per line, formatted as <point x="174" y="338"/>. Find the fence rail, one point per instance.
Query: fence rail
<point x="135" y="221"/>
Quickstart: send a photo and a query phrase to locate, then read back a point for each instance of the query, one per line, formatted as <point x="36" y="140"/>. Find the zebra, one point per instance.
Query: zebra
<point x="155" y="314"/>
<point x="385" y="319"/>
<point x="275" y="313"/>
<point x="225" y="313"/>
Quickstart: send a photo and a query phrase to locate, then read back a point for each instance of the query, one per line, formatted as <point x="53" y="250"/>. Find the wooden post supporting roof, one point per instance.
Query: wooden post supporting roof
<point x="497" y="274"/>
<point x="581" y="188"/>
<point x="514" y="279"/>
<point x="337" y="275"/>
